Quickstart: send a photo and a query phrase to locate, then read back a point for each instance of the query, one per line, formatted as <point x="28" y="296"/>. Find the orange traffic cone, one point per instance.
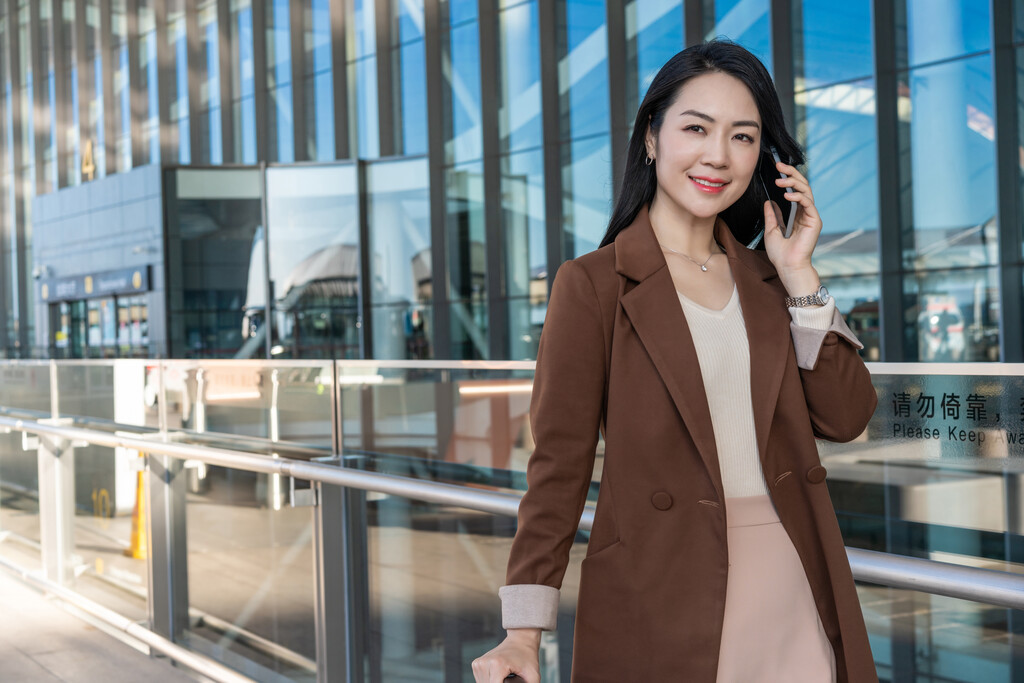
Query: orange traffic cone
<point x="137" y="547"/>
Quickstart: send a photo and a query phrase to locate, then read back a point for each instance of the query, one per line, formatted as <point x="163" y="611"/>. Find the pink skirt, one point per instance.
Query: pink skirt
<point x="772" y="629"/>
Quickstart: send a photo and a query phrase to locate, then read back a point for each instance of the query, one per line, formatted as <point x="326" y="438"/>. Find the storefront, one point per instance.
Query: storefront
<point x="101" y="315"/>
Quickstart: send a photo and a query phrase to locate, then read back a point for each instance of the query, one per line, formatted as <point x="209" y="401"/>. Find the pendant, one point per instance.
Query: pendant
<point x="704" y="268"/>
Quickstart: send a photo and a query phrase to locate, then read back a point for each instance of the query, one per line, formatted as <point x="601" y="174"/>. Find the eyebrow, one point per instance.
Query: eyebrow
<point x="702" y="115"/>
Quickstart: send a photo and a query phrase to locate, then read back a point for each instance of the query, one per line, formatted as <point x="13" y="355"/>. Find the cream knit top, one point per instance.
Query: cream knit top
<point x="725" y="369"/>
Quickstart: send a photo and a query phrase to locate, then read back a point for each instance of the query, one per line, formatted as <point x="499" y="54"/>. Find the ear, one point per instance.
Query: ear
<point x="650" y="141"/>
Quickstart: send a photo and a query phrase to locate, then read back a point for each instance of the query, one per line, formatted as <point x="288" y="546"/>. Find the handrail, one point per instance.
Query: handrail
<point x="985" y="586"/>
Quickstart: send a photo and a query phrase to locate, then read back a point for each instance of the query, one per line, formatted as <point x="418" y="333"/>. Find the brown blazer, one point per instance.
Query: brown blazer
<point x="615" y="350"/>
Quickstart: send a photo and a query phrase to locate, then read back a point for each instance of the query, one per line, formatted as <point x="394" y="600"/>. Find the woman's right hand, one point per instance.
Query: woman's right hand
<point x="517" y="654"/>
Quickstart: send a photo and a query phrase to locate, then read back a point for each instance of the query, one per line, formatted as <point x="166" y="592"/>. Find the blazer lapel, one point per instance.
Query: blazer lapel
<point x="653" y="309"/>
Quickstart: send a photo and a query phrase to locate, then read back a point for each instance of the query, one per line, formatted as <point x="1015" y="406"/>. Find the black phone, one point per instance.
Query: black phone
<point x="785" y="210"/>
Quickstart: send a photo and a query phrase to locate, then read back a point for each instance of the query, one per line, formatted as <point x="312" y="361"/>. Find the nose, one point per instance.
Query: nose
<point x="716" y="152"/>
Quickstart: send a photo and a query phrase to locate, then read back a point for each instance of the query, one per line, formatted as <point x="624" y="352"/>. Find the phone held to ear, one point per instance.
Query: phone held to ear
<point x="785" y="210"/>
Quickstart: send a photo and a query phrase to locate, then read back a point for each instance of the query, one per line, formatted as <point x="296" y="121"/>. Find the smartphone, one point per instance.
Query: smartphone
<point x="746" y="218"/>
<point x="785" y="210"/>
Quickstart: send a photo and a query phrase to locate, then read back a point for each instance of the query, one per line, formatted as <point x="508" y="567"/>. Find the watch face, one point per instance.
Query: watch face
<point x="823" y="294"/>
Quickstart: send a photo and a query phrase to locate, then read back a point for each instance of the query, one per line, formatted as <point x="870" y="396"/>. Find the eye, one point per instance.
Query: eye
<point x="744" y="135"/>
<point x="695" y="127"/>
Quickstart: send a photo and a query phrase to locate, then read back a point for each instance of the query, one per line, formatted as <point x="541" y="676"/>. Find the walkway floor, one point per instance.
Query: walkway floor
<point x="39" y="641"/>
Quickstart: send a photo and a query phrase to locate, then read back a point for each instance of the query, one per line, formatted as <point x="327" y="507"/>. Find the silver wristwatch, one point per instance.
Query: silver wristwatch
<point x="819" y="298"/>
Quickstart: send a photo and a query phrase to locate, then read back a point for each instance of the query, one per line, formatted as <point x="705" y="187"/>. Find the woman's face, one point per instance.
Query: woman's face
<point x="708" y="146"/>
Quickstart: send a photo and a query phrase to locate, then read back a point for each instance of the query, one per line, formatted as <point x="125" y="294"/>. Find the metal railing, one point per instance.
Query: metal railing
<point x="54" y="437"/>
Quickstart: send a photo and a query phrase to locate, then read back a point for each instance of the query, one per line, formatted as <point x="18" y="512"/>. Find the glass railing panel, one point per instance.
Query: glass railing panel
<point x="250" y="553"/>
<point x="434" y="573"/>
<point x="24" y="393"/>
<point x="109" y="544"/>
<point x="923" y="637"/>
<point x="938" y="472"/>
<point x="465" y="424"/>
<point x="250" y="579"/>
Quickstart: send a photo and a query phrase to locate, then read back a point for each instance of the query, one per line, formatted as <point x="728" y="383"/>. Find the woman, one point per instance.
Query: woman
<point x="710" y="367"/>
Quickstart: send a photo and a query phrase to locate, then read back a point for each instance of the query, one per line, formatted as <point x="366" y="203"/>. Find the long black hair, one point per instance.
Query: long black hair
<point x="715" y="56"/>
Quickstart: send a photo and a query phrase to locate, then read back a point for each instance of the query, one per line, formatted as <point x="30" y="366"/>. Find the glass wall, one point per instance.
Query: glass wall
<point x="837" y="125"/>
<point x="400" y="283"/>
<point x="243" y="103"/>
<point x="584" y="125"/>
<point x="313" y="218"/>
<point x="524" y="173"/>
<point x="280" y="129"/>
<point x="210" y="136"/>
<point x="409" y="62"/>
<point x="950" y="229"/>
<point x="216" y="253"/>
<point x="362" y="77"/>
<point x="318" y="86"/>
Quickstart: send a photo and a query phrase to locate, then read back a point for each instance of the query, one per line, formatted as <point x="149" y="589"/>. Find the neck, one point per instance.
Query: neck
<point x="678" y="229"/>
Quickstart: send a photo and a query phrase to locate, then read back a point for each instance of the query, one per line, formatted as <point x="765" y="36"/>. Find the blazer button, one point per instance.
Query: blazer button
<point x="662" y="500"/>
<point x="816" y="474"/>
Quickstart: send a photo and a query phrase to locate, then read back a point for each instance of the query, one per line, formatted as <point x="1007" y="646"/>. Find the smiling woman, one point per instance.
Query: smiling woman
<point x="708" y="560"/>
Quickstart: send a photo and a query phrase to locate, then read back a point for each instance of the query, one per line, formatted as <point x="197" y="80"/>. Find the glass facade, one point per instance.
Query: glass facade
<point x="482" y="137"/>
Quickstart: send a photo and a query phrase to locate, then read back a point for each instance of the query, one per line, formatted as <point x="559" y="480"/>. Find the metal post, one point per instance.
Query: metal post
<point x="891" y="220"/>
<point x="56" y="460"/>
<point x="275" y="491"/>
<point x="339" y="569"/>
<point x="168" y="551"/>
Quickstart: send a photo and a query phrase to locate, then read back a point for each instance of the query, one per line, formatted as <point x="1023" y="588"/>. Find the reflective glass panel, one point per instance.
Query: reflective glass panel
<point x="583" y="74"/>
<point x="836" y="39"/>
<point x="363" y="27"/>
<point x="318" y="108"/>
<point x="460" y="11"/>
<point x="24" y="390"/>
<point x="178" y="47"/>
<point x="399" y="217"/>
<point x="838" y="129"/>
<point x="747" y="22"/>
<point x="368" y="128"/>
<point x="216" y="271"/>
<point x="952" y="315"/>
<point x="403" y="331"/>
<point x="940" y="29"/>
<point x="281" y="143"/>
<point x="413" y="122"/>
<point x="467" y="261"/>
<point x="313" y="216"/>
<point x="410" y="19"/>
<point x="259" y="616"/>
<point x="586" y="193"/>
<point x="523" y="221"/>
<point x="466" y="143"/>
<point x="519" y="111"/>
<point x="210" y="138"/>
<point x="657" y="28"/>
<point x="951" y="137"/>
<point x="243" y="107"/>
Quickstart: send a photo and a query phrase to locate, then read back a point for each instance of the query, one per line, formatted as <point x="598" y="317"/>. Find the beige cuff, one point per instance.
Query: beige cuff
<point x="808" y="338"/>
<point x="819" y="318"/>
<point x="529" y="606"/>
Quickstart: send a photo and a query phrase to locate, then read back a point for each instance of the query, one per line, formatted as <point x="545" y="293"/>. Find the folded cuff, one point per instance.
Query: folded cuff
<point x="808" y="337"/>
<point x="529" y="606"/>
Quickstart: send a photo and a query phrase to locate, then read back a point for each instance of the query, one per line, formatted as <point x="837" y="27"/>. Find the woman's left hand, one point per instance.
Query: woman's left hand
<point x="792" y="254"/>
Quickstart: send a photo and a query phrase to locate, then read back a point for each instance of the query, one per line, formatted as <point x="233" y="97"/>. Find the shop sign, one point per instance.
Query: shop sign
<point x="108" y="283"/>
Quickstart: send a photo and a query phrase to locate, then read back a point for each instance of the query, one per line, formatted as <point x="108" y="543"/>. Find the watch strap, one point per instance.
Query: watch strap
<point x="802" y="301"/>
